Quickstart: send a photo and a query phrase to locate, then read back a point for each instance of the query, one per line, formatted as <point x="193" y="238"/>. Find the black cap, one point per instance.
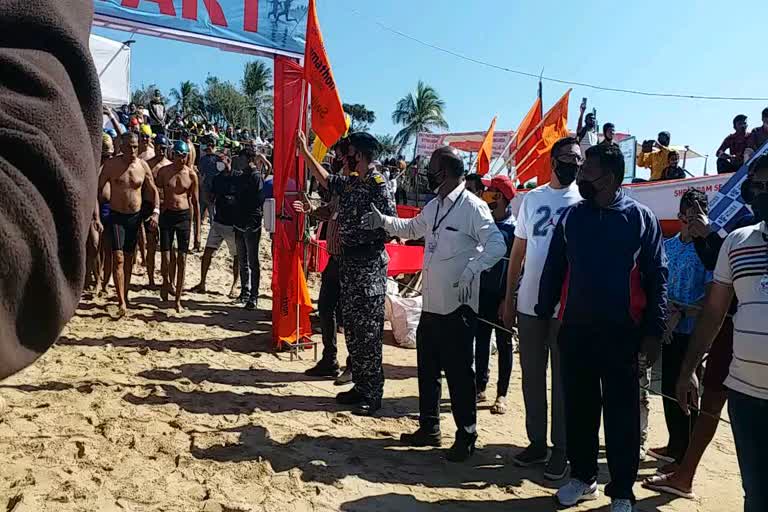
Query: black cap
<point x="366" y="142"/>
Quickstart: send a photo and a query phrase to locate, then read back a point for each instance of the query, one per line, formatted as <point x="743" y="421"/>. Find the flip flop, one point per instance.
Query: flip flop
<point x="652" y="484"/>
<point x="500" y="407"/>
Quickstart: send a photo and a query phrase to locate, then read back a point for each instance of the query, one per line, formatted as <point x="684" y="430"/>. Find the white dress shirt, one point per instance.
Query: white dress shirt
<point x="459" y="233"/>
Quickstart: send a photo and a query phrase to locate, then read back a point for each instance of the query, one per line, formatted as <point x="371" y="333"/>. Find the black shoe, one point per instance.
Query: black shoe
<point x="250" y="305"/>
<point x="323" y="369"/>
<point x="367" y="408"/>
<point x="421" y="438"/>
<point x="534" y="454"/>
<point x="462" y="449"/>
<point x="351" y="397"/>
<point x="557" y="467"/>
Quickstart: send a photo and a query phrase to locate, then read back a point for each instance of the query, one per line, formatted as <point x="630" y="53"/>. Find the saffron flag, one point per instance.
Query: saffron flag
<point x="554" y="127"/>
<point x="319" y="150"/>
<point x="327" y="113"/>
<point x="486" y="149"/>
<point x="529" y="132"/>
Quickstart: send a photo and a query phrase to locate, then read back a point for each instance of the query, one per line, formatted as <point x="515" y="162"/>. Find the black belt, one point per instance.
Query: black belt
<point x="363" y="250"/>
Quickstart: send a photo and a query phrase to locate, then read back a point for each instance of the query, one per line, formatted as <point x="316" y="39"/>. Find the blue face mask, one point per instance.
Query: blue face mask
<point x="203" y="147"/>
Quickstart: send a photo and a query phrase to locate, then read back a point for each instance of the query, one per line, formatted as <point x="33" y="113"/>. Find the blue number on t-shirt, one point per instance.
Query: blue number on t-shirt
<point x="541" y="227"/>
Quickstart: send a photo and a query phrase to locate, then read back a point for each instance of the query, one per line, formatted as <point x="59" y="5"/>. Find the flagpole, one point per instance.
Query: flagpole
<point x="530" y="134"/>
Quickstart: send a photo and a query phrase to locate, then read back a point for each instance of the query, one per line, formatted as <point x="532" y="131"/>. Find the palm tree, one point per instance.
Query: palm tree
<point x="187" y="98"/>
<point x="389" y="147"/>
<point x="257" y="84"/>
<point x="419" y="113"/>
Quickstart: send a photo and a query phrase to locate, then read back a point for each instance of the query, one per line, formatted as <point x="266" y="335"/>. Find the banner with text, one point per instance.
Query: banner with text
<point x="727" y="208"/>
<point x="269" y="24"/>
<point x="427" y="143"/>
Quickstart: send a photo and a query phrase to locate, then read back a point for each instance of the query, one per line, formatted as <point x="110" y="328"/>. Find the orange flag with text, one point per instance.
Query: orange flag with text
<point x="328" y="121"/>
<point x="486" y="150"/>
<point x="555" y="127"/>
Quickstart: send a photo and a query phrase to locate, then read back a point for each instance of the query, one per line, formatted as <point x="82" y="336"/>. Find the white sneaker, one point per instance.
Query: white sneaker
<point x="575" y="491"/>
<point x="621" y="506"/>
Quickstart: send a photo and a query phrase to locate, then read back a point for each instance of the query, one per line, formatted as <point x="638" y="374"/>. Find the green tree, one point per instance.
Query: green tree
<point x="187" y="98"/>
<point x="144" y="94"/>
<point x="421" y="112"/>
<point x="257" y="85"/>
<point x="223" y="103"/>
<point x="389" y="148"/>
<point x="361" y="117"/>
<point x="257" y="78"/>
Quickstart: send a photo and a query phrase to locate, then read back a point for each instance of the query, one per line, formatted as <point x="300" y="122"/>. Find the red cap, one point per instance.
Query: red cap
<point x="503" y="184"/>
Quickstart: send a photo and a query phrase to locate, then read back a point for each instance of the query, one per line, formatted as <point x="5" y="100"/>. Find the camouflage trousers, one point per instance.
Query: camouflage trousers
<point x="363" y="290"/>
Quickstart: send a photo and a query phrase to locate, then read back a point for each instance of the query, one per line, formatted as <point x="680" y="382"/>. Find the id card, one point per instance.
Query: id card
<point x="432" y="244"/>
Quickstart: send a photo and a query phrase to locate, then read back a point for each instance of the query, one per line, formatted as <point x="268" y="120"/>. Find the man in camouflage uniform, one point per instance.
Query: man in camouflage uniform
<point x="363" y="271"/>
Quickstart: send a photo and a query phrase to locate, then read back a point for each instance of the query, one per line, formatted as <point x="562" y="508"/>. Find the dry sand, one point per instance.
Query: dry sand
<point x="192" y="412"/>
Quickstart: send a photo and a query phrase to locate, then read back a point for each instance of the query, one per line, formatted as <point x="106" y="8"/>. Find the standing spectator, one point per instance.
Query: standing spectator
<point x="210" y="165"/>
<point x="687" y="279"/>
<point x="474" y="184"/>
<point x="609" y="130"/>
<point x="736" y="143"/>
<point x="249" y="212"/>
<point x="741" y="271"/>
<point x="586" y="129"/>
<point x="656" y="161"/>
<point x="607" y="259"/>
<point x="461" y="242"/>
<point x="673" y="171"/>
<point x="539" y="213"/>
<point x="493" y="286"/>
<point x="157" y="113"/>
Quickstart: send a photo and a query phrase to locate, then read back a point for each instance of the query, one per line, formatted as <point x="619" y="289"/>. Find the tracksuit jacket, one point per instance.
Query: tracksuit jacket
<point x="607" y="267"/>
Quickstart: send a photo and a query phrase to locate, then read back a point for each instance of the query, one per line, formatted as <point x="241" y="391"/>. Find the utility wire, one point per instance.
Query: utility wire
<point x="553" y="79"/>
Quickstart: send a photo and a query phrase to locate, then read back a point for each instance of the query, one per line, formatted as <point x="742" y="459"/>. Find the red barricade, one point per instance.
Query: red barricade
<point x="403" y="259"/>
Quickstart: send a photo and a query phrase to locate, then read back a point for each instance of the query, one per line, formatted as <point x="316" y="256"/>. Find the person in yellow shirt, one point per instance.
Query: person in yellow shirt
<point x="655" y="161"/>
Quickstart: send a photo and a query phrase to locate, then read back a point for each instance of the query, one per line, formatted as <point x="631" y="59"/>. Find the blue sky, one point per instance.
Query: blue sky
<point x="678" y="46"/>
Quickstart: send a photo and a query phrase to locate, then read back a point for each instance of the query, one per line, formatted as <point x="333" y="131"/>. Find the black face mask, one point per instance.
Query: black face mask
<point x="566" y="172"/>
<point x="759" y="206"/>
<point x="352" y="163"/>
<point x="435" y="180"/>
<point x="588" y="190"/>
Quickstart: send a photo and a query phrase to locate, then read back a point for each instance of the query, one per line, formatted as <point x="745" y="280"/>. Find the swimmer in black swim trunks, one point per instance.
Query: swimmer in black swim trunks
<point x="179" y="184"/>
<point x="162" y="145"/>
<point x="130" y="179"/>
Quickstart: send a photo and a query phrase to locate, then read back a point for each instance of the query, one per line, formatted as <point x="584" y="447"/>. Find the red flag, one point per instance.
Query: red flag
<point x="555" y="127"/>
<point x="290" y="298"/>
<point x="328" y="121"/>
<point x="486" y="150"/>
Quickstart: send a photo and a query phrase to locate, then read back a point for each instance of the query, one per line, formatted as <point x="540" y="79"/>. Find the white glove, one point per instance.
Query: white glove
<point x="465" y="285"/>
<point x="372" y="220"/>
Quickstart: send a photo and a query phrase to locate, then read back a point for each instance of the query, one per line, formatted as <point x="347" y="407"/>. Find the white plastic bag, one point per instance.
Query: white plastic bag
<point x="403" y="314"/>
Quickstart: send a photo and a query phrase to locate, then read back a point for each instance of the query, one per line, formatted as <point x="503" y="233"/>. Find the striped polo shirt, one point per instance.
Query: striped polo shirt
<point x="743" y="264"/>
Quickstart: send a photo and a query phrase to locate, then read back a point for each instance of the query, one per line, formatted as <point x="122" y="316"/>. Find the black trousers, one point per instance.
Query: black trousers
<point x="600" y="373"/>
<point x="327" y="308"/>
<point x="489" y="310"/>
<point x="679" y="425"/>
<point x="444" y="342"/>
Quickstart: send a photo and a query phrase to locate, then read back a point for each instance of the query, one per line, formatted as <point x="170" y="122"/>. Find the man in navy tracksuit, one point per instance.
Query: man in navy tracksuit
<point x="607" y="268"/>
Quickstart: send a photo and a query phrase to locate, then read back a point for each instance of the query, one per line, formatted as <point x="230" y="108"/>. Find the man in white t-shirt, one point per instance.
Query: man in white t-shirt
<point x="742" y="269"/>
<point x="586" y="129"/>
<point x="538" y="216"/>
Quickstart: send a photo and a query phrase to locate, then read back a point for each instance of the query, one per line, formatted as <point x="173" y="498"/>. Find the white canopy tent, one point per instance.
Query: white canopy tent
<point x="113" y="63"/>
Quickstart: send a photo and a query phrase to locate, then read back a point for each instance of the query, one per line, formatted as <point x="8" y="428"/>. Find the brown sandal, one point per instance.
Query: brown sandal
<point x="500" y="407"/>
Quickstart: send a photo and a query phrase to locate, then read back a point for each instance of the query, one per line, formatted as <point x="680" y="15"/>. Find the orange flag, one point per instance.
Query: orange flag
<point x="486" y="150"/>
<point x="555" y="126"/>
<point x="327" y="113"/>
<point x="529" y="132"/>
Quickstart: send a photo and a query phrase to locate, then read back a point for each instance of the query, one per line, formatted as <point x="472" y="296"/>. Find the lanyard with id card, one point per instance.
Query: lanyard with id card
<point x="432" y="244"/>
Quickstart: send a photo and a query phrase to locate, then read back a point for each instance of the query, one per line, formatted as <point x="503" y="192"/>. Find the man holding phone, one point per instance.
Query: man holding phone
<point x="656" y="161"/>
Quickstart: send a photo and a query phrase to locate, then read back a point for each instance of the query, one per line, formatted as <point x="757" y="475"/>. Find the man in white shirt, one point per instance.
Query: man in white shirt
<point x="586" y="130"/>
<point x="742" y="269"/>
<point x="462" y="241"/>
<point x="539" y="213"/>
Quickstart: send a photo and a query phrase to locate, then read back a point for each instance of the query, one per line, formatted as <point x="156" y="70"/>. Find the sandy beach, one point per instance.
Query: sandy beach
<point x="193" y="412"/>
